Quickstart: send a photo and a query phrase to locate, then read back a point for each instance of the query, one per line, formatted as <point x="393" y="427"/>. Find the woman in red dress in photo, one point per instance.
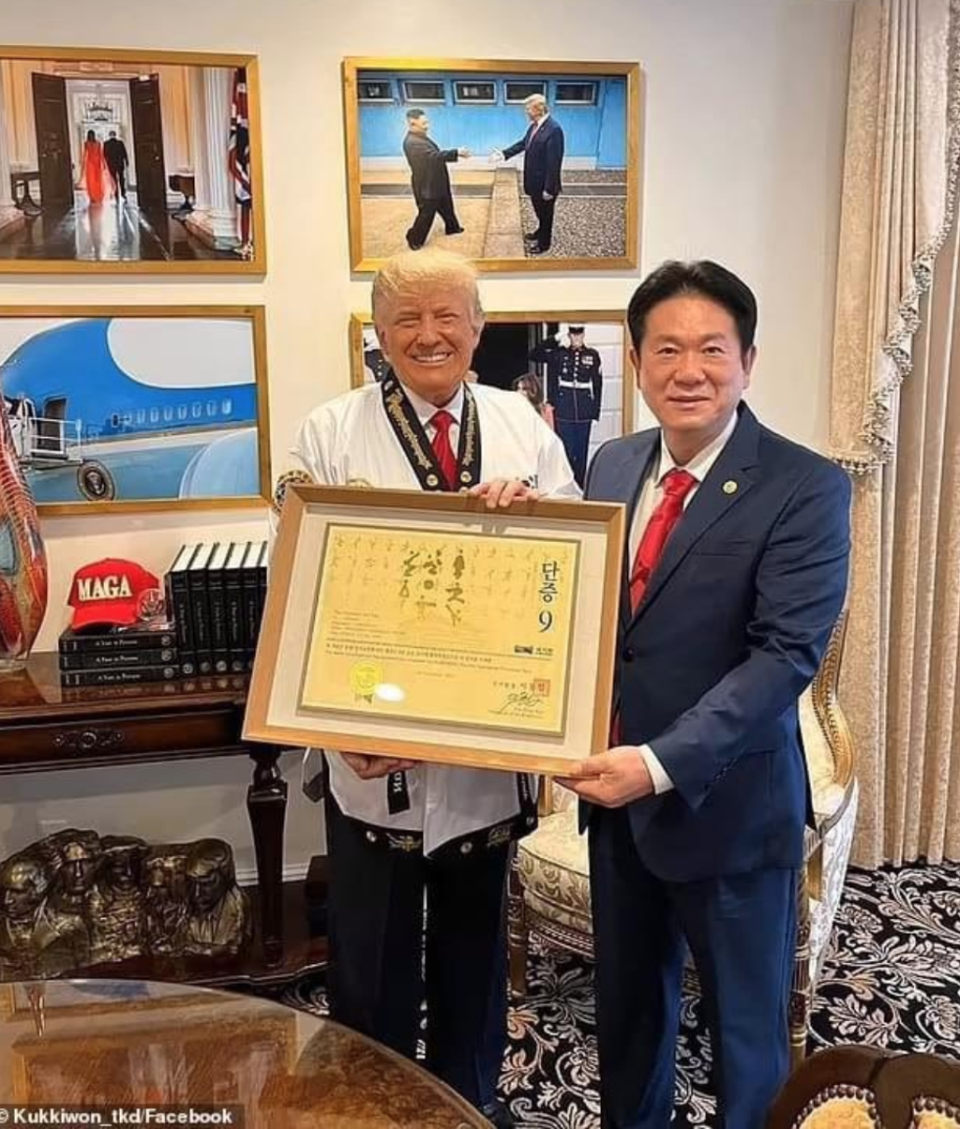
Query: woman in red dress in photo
<point x="94" y="176"/>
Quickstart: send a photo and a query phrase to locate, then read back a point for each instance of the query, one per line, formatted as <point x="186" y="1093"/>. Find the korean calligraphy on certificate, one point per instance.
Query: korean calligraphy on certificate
<point x="451" y="627"/>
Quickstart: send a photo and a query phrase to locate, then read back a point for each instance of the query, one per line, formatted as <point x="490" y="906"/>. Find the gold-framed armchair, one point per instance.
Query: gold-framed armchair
<point x="550" y="881"/>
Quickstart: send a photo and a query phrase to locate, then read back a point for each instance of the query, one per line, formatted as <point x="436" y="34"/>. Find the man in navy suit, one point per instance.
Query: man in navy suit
<point x="542" y="149"/>
<point x="739" y="542"/>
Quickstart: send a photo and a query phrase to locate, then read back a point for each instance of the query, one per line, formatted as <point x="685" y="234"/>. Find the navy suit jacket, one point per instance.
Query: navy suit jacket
<point x="730" y="631"/>
<point x="542" y="158"/>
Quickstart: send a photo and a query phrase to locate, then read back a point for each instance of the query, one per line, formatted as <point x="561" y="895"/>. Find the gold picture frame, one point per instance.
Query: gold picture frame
<point x="146" y="398"/>
<point x="598" y="106"/>
<point x="484" y="698"/>
<point x="183" y="202"/>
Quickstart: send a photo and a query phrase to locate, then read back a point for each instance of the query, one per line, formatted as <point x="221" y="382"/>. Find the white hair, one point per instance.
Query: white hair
<point x="412" y="269"/>
<point x="535" y="100"/>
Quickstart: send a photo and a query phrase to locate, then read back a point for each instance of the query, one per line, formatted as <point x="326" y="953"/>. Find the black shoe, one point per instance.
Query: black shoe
<point x="455" y="230"/>
<point x="538" y="250"/>
<point x="499" y="1115"/>
<point x="531" y="236"/>
<point x="413" y="246"/>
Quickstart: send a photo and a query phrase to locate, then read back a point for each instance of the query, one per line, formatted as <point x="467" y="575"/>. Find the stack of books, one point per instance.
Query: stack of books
<point x="118" y="656"/>
<point x="215" y="595"/>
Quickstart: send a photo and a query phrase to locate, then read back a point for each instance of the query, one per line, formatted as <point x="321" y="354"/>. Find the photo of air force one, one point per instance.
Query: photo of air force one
<point x="132" y="409"/>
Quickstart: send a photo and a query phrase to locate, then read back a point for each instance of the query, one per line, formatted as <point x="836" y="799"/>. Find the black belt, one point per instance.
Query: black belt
<point x="463" y="846"/>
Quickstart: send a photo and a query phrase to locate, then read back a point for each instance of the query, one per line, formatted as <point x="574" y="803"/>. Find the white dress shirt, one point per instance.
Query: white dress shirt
<point x="651" y="494"/>
<point x="426" y="411"/>
<point x="350" y="440"/>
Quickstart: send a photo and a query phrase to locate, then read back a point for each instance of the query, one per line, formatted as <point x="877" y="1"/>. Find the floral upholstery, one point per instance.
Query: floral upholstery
<point x="945" y="1117"/>
<point x="835" y="846"/>
<point x="821" y="768"/>
<point x="839" y="1113"/>
<point x="553" y="867"/>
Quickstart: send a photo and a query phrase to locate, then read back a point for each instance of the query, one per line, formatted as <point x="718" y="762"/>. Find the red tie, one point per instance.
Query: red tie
<point x="677" y="484"/>
<point x="442" y="422"/>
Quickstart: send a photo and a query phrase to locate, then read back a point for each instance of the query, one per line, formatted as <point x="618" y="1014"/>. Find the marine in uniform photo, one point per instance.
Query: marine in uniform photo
<point x="574" y="389"/>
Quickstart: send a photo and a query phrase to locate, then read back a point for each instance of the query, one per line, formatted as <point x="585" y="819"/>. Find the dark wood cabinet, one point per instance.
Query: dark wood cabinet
<point x="46" y="727"/>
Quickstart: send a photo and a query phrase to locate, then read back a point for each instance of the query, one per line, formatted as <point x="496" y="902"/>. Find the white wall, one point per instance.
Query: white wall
<point x="742" y="160"/>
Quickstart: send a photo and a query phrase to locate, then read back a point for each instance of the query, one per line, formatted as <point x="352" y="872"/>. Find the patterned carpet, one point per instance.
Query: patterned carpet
<point x="892" y="979"/>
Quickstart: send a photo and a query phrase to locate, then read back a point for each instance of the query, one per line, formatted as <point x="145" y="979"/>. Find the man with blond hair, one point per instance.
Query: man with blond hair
<point x="397" y="830"/>
<point x="542" y="149"/>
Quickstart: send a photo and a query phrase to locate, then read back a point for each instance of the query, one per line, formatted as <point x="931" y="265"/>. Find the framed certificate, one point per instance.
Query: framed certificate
<point x="425" y="626"/>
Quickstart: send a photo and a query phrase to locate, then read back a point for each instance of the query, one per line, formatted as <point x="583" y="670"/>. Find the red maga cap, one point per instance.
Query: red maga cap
<point x="114" y="592"/>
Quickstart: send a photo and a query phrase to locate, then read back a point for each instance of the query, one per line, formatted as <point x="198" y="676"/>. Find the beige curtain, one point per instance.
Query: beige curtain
<point x="895" y="425"/>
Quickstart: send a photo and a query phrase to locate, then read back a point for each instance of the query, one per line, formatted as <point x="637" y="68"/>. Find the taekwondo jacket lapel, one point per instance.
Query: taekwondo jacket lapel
<point x="737" y="463"/>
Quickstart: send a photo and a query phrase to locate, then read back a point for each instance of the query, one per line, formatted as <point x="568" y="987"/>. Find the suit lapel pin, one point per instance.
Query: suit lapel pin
<point x="729" y="487"/>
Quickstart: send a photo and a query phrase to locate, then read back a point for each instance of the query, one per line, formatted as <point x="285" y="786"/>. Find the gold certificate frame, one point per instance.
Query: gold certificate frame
<point x="428" y="627"/>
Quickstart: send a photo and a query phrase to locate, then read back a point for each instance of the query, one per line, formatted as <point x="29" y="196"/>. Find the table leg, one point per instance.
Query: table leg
<point x="267" y="806"/>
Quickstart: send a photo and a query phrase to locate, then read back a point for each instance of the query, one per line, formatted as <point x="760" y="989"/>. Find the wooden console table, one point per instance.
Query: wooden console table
<point x="45" y="727"/>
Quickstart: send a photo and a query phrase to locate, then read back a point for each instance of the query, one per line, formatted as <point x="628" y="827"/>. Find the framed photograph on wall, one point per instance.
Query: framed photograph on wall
<point x="573" y="366"/>
<point x="519" y="165"/>
<point x="129" y="161"/>
<point x="138" y="407"/>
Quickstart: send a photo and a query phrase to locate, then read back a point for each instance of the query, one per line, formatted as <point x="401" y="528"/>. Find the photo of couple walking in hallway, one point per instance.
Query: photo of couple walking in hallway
<point x="103" y="173"/>
<point x="109" y="160"/>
